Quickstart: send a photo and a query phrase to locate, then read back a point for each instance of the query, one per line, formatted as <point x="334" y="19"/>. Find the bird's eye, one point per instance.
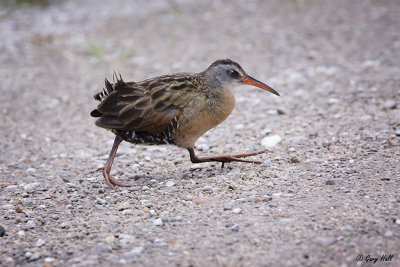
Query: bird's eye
<point x="233" y="73"/>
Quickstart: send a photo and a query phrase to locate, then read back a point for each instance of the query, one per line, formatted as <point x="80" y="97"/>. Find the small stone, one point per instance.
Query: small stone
<point x="32" y="256"/>
<point x="7" y="207"/>
<point x="2" y="231"/>
<point x="110" y="239"/>
<point x="11" y="188"/>
<point x="270" y="184"/>
<point x="127" y="212"/>
<point x="64" y="225"/>
<point x="21" y="233"/>
<point x="202" y="147"/>
<point x="207" y="188"/>
<point x="152" y="212"/>
<point x="266" y="131"/>
<point x="205" y="200"/>
<point x="239" y="126"/>
<point x="40" y="242"/>
<point x="235" y="228"/>
<point x="29" y="225"/>
<point x="100" y="249"/>
<point x="101" y="201"/>
<point x="158" y="222"/>
<point x="124" y="205"/>
<point x="49" y="260"/>
<point x="170" y="183"/>
<point x="31" y="187"/>
<point x="136" y="250"/>
<point x="330" y="182"/>
<point x="270" y="141"/>
<point x="294" y="160"/>
<point x="389" y="234"/>
<point x="397" y="221"/>
<point x="30" y="170"/>
<point x="392" y="143"/>
<point x="325" y="240"/>
<point x="237" y="210"/>
<point x="390" y="104"/>
<point x="272" y="112"/>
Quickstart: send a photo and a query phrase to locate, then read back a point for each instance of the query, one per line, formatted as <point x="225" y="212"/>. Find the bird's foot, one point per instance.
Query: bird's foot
<point x="228" y="159"/>
<point x="225" y="158"/>
<point x="112" y="182"/>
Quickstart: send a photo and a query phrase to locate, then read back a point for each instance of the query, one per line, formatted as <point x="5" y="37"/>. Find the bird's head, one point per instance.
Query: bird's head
<point x="225" y="73"/>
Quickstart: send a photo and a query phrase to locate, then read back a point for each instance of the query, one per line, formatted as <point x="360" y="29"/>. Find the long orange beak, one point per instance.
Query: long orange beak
<point x="251" y="81"/>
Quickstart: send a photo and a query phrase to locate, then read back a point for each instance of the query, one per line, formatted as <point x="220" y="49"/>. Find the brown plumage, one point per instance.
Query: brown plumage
<point x="171" y="109"/>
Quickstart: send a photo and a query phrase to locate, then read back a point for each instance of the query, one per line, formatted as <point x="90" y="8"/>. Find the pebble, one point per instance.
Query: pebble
<point x="127" y="212"/>
<point x="237" y="210"/>
<point x="158" y="222"/>
<point x="202" y="147"/>
<point x="21" y="233"/>
<point x="2" y="231"/>
<point x="29" y="225"/>
<point x="390" y="104"/>
<point x="40" y="242"/>
<point x="331" y="182"/>
<point x="110" y="239"/>
<point x="124" y="205"/>
<point x="325" y="240"/>
<point x="49" y="260"/>
<point x="135" y="251"/>
<point x="270" y="184"/>
<point x="235" y="228"/>
<point x="32" y="256"/>
<point x="270" y="141"/>
<point x="65" y="225"/>
<point x="31" y="187"/>
<point x="294" y="159"/>
<point x="207" y="188"/>
<point x="100" y="249"/>
<point x="170" y="183"/>
<point x="11" y="188"/>
<point x="389" y="234"/>
<point x="7" y="207"/>
<point x="101" y="201"/>
<point x="398" y="221"/>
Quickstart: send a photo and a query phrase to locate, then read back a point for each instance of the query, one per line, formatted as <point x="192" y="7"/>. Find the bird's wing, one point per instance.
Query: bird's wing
<point x="142" y="106"/>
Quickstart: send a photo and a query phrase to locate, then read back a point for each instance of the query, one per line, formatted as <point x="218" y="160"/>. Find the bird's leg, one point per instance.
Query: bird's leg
<point x="225" y="158"/>
<point x="110" y="181"/>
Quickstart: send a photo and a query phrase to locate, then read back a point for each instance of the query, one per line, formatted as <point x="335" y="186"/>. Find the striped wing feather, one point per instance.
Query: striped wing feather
<point x="132" y="106"/>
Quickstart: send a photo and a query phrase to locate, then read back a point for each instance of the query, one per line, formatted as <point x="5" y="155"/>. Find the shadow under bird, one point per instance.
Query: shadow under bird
<point x="171" y="109"/>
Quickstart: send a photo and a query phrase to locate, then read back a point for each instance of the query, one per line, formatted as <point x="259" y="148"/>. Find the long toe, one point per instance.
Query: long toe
<point x="115" y="182"/>
<point x="249" y="154"/>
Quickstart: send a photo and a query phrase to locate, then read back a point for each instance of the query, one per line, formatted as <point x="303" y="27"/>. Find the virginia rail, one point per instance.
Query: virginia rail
<point x="171" y="109"/>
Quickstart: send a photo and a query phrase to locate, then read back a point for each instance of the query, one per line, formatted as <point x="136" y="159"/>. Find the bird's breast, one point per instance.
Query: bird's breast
<point x="201" y="115"/>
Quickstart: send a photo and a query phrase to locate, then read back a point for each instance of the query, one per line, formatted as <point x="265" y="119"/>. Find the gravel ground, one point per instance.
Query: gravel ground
<point x="326" y="193"/>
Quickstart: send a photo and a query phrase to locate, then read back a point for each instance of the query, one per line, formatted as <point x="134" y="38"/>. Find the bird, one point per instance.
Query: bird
<point x="175" y="109"/>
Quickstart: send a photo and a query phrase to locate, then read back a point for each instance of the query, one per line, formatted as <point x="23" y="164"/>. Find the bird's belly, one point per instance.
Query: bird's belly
<point x="204" y="116"/>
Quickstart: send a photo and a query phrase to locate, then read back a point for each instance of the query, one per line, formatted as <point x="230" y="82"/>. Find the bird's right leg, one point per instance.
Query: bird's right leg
<point x="110" y="181"/>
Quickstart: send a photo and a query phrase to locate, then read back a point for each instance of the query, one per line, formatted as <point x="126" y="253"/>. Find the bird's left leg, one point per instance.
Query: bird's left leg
<point x="225" y="158"/>
<point x="111" y="181"/>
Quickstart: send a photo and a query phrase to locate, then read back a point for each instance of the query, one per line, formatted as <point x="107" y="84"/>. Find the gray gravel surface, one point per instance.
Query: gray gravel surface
<point x="328" y="189"/>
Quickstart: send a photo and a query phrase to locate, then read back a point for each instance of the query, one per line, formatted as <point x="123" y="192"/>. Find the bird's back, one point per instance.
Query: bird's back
<point x="146" y="111"/>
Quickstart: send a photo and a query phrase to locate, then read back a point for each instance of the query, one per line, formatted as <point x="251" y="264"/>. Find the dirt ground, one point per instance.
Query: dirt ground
<point x="326" y="195"/>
